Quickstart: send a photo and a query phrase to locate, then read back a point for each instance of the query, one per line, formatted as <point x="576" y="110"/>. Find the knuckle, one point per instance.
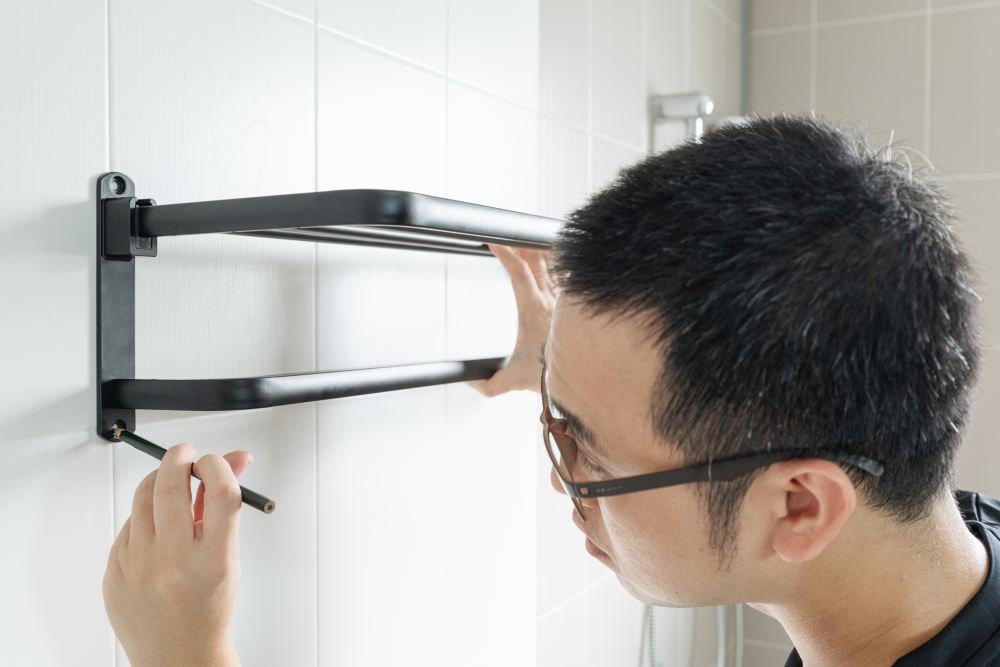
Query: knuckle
<point x="144" y="489"/>
<point x="226" y="494"/>
<point x="149" y="480"/>
<point x="182" y="451"/>
<point x="224" y="569"/>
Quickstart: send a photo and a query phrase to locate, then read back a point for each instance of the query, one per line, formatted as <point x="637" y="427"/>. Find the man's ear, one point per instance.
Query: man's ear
<point x="812" y="500"/>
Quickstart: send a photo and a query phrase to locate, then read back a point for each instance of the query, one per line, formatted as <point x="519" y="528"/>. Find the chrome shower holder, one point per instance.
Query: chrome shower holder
<point x="692" y="108"/>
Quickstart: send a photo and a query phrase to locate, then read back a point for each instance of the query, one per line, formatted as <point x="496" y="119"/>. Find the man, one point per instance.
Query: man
<point x="759" y="353"/>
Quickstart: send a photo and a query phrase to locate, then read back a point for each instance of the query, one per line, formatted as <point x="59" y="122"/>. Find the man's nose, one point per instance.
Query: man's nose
<point x="556" y="481"/>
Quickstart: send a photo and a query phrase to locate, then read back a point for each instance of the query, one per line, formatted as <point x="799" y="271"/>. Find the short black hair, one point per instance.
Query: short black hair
<point x="803" y="290"/>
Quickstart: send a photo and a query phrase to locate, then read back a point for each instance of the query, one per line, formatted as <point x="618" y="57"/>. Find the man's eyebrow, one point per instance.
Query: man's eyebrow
<point x="581" y="432"/>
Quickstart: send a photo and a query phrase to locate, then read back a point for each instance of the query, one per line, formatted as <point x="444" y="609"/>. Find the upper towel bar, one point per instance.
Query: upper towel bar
<point x="128" y="227"/>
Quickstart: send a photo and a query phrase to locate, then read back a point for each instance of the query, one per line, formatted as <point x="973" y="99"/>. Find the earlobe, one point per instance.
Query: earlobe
<point x="819" y="498"/>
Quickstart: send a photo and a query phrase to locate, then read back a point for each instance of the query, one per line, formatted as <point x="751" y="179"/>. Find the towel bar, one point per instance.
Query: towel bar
<point x="128" y="227"/>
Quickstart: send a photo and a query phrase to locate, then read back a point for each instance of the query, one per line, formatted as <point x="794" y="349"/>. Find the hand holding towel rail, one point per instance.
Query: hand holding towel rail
<point x="128" y="227"/>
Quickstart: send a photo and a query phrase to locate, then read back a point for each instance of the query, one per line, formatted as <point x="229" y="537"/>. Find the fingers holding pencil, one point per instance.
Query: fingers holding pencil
<point x="252" y="498"/>
<point x="171" y="582"/>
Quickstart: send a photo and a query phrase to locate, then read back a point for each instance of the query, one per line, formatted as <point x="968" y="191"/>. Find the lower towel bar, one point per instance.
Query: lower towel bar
<point x="268" y="391"/>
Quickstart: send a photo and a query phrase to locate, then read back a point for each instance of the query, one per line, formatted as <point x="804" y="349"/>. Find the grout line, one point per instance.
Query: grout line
<point x="490" y="93"/>
<point x="780" y="30"/>
<point x="574" y="597"/>
<point x="646" y="136"/>
<point x="764" y="643"/>
<point x="988" y="176"/>
<point x="590" y="96"/>
<point x="316" y="430"/>
<point x="371" y="46"/>
<point x="878" y="18"/>
<point x="286" y="12"/>
<point x="744" y="57"/>
<point x="107" y="85"/>
<point x="556" y="120"/>
<point x="986" y="4"/>
<point x="447" y="259"/>
<point x="721" y="14"/>
<point x="447" y="97"/>
<point x="425" y="68"/>
<point x="814" y="56"/>
<point x="618" y="142"/>
<point x="927" y="82"/>
<point x="112" y="453"/>
<point x="688" y="45"/>
<point x="358" y="41"/>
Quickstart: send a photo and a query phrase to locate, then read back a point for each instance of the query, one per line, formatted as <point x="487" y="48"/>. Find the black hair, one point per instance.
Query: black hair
<point x="803" y="291"/>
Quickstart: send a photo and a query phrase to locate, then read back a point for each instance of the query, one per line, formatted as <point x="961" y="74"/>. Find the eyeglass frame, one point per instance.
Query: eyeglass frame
<point x="714" y="471"/>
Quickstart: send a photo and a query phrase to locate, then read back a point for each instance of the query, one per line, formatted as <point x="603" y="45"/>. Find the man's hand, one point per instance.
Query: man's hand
<point x="535" y="292"/>
<point x="174" y="572"/>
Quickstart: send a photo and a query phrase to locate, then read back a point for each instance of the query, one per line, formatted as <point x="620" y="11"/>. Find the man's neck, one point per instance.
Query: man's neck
<point x="878" y="595"/>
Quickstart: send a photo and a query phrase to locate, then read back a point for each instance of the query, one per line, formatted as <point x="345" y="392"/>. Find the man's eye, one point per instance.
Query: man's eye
<point x="593" y="467"/>
<point x="588" y="464"/>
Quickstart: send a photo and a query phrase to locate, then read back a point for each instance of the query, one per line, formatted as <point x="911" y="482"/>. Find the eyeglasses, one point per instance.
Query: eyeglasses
<point x="562" y="451"/>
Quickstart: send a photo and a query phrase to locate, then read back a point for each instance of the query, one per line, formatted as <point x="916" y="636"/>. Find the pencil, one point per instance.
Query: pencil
<point x="251" y="498"/>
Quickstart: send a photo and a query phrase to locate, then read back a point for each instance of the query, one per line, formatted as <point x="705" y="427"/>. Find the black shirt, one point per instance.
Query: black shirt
<point x="972" y="638"/>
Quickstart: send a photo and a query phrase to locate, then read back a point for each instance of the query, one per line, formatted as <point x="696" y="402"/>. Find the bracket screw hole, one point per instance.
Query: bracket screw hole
<point x="117" y="187"/>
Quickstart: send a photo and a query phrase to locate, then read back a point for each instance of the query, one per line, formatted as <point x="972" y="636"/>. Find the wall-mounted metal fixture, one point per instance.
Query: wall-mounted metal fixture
<point x="692" y="108"/>
<point x="128" y="227"/>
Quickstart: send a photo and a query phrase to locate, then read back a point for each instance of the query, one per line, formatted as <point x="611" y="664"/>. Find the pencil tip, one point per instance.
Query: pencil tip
<point x="117" y="432"/>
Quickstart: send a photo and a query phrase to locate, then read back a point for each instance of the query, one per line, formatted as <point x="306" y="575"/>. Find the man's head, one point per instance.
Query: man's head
<point x="775" y="285"/>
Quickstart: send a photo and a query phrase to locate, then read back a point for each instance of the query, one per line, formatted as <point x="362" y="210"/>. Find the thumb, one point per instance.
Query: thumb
<point x="499" y="383"/>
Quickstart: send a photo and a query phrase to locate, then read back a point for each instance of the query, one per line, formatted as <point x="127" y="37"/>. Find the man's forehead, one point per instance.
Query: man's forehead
<point x="584" y="346"/>
<point x="596" y="362"/>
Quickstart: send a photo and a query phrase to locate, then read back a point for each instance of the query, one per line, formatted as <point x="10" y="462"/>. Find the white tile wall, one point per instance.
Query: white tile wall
<point x="492" y="146"/>
<point x="392" y="109"/>
<point x="618" y="70"/>
<point x="413" y="29"/>
<point x="413" y="527"/>
<point x="564" y="54"/>
<point x="608" y="159"/>
<point x="218" y="101"/>
<point x="962" y="124"/>
<point x="863" y="73"/>
<point x="780" y="13"/>
<point x="494" y="46"/>
<point x="563" y="168"/>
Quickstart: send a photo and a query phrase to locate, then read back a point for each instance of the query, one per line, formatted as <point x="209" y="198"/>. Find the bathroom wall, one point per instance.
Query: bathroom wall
<point x="413" y="527"/>
<point x="924" y="73"/>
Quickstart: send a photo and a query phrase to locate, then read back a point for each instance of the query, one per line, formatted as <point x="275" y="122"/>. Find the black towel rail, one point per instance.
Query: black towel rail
<point x="128" y="227"/>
